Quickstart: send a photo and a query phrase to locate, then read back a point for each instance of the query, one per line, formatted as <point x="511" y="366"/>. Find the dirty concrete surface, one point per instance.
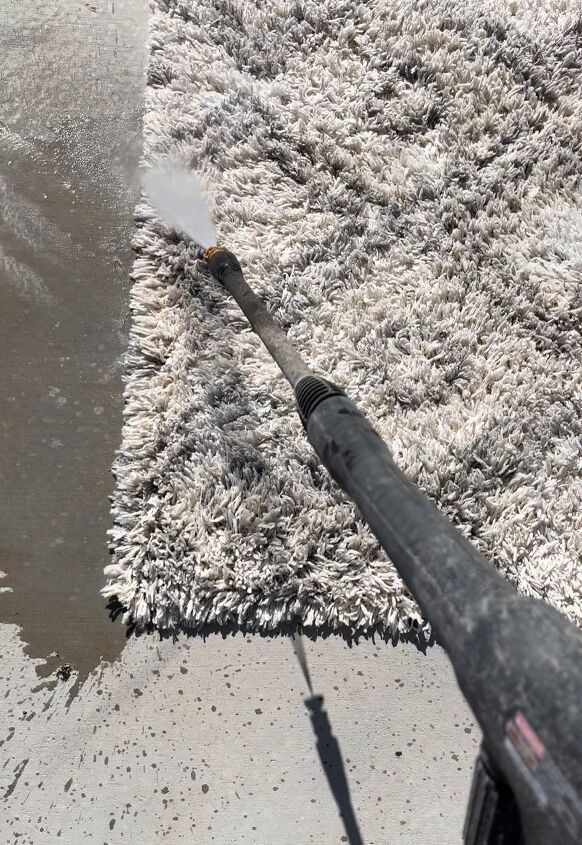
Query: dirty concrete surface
<point x="195" y="739"/>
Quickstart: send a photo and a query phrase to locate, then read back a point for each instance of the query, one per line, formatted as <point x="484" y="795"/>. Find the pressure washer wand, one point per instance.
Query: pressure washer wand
<point x="517" y="661"/>
<point x="224" y="266"/>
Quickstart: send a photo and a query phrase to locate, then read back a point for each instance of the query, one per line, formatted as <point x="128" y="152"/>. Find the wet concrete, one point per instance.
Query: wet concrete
<point x="71" y="83"/>
<point x="197" y="740"/>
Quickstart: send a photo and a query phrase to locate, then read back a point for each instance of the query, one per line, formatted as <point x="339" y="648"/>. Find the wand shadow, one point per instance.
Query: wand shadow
<point x="329" y="753"/>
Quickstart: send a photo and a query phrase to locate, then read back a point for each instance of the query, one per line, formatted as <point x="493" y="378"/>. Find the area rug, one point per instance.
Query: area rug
<point x="401" y="183"/>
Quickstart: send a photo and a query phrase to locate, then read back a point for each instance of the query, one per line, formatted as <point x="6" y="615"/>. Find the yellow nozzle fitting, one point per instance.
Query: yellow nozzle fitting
<point x="211" y="250"/>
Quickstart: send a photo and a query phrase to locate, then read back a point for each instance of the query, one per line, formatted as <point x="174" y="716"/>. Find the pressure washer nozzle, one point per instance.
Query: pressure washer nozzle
<point x="208" y="253"/>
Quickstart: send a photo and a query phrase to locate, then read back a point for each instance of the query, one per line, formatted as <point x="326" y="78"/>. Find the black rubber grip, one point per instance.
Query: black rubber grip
<point x="310" y="391"/>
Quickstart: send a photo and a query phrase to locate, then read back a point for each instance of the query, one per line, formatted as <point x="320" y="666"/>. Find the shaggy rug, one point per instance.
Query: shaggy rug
<point x="400" y="181"/>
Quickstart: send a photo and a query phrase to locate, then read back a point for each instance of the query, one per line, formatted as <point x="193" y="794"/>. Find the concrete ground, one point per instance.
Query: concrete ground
<point x="105" y="738"/>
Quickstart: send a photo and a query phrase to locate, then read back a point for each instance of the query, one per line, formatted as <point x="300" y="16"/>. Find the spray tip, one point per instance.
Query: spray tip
<point x="208" y="253"/>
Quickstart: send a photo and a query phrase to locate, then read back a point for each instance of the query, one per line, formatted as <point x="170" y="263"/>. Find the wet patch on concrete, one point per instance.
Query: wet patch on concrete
<point x="71" y="107"/>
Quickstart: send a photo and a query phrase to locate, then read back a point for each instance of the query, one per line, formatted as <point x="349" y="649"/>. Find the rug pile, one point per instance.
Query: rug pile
<point x="401" y="183"/>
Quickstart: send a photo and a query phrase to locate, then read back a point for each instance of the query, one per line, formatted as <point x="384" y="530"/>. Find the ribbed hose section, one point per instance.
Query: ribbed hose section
<point x="310" y="391"/>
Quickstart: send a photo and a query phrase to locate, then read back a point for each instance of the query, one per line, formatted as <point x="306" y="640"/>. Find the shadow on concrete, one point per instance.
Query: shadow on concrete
<point x="327" y="746"/>
<point x="330" y="755"/>
<point x="329" y="751"/>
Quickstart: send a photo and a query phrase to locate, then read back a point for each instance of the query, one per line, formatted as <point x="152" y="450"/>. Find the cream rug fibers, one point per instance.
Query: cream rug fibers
<point x="401" y="182"/>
